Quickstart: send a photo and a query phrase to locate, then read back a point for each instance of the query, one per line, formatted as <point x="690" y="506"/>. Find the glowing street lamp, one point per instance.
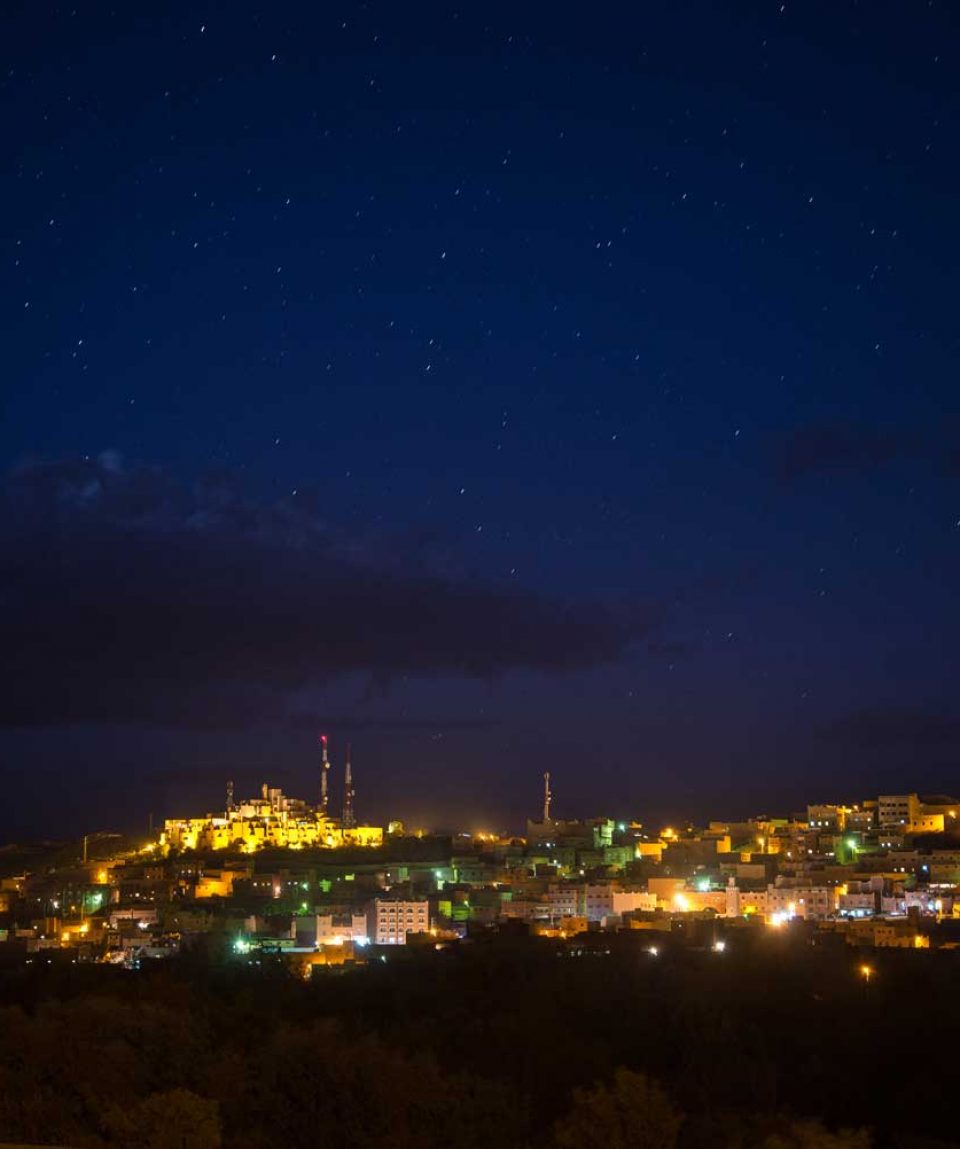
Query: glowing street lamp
<point x="866" y="972"/>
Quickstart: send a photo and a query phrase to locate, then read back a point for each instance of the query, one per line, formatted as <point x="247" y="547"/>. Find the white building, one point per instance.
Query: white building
<point x="566" y="900"/>
<point x="783" y="901"/>
<point x="334" y="932"/>
<point x="857" y="904"/>
<point x="598" y="901"/>
<point x="607" y="900"/>
<point x="627" y="901"/>
<point x="389" y="922"/>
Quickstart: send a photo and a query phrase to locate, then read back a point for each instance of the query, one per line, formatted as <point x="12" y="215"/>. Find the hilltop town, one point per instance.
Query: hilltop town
<point x="278" y="875"/>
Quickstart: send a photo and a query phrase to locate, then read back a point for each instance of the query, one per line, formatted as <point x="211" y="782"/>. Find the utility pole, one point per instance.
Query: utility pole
<point x="98" y="837"/>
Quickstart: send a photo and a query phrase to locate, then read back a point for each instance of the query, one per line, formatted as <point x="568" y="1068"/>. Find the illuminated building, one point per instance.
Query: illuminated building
<point x="566" y="900"/>
<point x="858" y="904"/>
<point x="608" y="900"/>
<point x="782" y="903"/>
<point x="389" y="922"/>
<point x="331" y="931"/>
<point x="927" y="823"/>
<point x="216" y="883"/>
<point x="827" y="817"/>
<point x="272" y="820"/>
<point x="897" y="810"/>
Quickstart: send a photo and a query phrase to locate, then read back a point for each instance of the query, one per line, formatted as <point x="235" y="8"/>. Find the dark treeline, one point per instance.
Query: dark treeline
<point x="500" y="1042"/>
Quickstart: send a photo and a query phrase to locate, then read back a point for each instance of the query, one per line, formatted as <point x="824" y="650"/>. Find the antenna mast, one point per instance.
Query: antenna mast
<point x="324" y="771"/>
<point x="349" y="794"/>
<point x="547" y="797"/>
<point x="229" y="796"/>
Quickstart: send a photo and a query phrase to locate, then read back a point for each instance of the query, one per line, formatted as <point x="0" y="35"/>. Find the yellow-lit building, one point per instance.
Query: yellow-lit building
<point x="217" y="883"/>
<point x="927" y="823"/>
<point x="272" y="820"/>
<point x="650" y="850"/>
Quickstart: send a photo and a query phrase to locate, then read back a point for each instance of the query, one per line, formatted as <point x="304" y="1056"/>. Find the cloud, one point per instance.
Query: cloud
<point x="353" y="723"/>
<point x="215" y="772"/>
<point x="894" y="727"/>
<point x="836" y="447"/>
<point x="126" y="597"/>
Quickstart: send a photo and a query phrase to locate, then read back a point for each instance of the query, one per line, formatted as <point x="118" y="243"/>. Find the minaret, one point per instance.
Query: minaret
<point x="324" y="771"/>
<point x="229" y="797"/>
<point x="348" y="795"/>
<point x="547" y="797"/>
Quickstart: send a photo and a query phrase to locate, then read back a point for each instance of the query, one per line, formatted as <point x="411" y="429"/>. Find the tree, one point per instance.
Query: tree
<point x="176" y="1119"/>
<point x="812" y="1135"/>
<point x="632" y="1113"/>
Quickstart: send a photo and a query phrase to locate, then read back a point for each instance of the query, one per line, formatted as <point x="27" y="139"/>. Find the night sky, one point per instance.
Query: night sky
<point x="499" y="386"/>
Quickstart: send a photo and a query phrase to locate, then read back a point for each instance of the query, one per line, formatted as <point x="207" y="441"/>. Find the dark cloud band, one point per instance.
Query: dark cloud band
<point x="127" y="598"/>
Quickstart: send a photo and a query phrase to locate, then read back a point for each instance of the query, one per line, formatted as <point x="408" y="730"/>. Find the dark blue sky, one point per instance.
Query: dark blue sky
<point x="502" y="387"/>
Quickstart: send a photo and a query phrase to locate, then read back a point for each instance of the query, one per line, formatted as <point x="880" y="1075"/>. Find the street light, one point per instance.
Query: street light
<point x="100" y="836"/>
<point x="866" y="972"/>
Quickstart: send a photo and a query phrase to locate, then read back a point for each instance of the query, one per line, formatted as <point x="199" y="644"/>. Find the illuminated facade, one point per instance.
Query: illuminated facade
<point x="389" y="922"/>
<point x="897" y="810"/>
<point x="271" y="821"/>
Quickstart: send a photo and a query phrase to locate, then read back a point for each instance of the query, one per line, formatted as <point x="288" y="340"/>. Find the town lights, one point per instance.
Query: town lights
<point x="652" y="951"/>
<point x="866" y="972"/>
<point x="719" y="946"/>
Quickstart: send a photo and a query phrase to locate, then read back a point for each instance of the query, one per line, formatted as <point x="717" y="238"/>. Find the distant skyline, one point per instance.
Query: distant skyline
<point x="499" y="390"/>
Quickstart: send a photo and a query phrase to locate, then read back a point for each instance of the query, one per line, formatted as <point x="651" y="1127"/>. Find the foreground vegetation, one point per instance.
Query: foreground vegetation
<point x="507" y="1042"/>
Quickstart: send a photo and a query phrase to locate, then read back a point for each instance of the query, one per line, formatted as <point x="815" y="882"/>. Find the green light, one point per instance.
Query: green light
<point x="851" y="844"/>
